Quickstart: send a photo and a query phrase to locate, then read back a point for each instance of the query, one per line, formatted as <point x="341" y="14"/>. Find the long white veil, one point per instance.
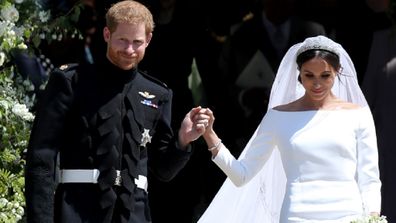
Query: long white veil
<point x="260" y="200"/>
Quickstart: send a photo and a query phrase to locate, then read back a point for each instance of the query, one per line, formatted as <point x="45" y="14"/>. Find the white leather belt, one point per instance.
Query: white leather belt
<point x="92" y="175"/>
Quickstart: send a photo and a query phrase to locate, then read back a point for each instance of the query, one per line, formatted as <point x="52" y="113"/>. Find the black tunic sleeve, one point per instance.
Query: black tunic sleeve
<point x="166" y="158"/>
<point x="43" y="146"/>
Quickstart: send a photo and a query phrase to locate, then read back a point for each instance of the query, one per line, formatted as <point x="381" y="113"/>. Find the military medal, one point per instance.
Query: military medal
<point x="147" y="100"/>
<point x="149" y="103"/>
<point x="146" y="138"/>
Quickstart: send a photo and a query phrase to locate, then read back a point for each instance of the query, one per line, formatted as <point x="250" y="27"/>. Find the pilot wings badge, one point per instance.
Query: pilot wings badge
<point x="146" y="95"/>
<point x="146" y="137"/>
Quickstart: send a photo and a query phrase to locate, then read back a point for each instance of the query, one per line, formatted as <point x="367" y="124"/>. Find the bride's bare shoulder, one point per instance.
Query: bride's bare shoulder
<point x="346" y="105"/>
<point x="292" y="106"/>
<point x="298" y="105"/>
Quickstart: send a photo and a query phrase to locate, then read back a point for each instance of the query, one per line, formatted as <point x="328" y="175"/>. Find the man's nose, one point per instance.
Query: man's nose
<point x="129" y="48"/>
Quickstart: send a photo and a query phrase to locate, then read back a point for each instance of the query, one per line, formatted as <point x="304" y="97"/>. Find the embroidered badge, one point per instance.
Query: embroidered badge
<point x="146" y="138"/>
<point x="149" y="103"/>
<point x="146" y="95"/>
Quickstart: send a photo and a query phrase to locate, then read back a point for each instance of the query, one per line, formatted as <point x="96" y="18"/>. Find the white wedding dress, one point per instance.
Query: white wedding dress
<point x="303" y="166"/>
<point x="330" y="161"/>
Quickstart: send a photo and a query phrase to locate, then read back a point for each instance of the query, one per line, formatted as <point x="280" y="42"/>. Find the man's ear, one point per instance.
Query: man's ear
<point x="149" y="37"/>
<point x="106" y="34"/>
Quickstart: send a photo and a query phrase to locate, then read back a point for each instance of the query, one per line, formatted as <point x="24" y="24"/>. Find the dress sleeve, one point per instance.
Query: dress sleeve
<point x="367" y="167"/>
<point x="256" y="153"/>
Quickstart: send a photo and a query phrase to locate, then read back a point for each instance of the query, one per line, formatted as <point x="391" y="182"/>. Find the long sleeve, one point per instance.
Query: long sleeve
<point x="367" y="169"/>
<point x="43" y="148"/>
<point x="258" y="150"/>
<point x="166" y="158"/>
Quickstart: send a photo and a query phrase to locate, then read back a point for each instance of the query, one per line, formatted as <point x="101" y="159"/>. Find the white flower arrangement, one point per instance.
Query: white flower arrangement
<point x="24" y="24"/>
<point x="371" y="219"/>
<point x="22" y="111"/>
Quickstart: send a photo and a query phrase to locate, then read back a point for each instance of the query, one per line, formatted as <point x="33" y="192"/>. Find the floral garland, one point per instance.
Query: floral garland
<point x="24" y="24"/>
<point x="371" y="219"/>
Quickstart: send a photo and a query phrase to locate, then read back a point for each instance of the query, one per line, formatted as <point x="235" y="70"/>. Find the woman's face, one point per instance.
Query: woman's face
<point x="317" y="77"/>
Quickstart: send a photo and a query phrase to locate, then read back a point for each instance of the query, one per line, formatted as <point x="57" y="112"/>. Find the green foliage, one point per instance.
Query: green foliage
<point x="24" y="24"/>
<point x="15" y="123"/>
<point x="371" y="219"/>
<point x="11" y="195"/>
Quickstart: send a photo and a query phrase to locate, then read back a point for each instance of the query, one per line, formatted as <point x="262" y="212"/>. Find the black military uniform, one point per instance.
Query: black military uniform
<point x="109" y="126"/>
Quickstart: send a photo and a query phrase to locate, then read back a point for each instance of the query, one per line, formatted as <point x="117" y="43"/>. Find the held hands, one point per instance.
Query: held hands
<point x="194" y="125"/>
<point x="199" y="122"/>
<point x="212" y="140"/>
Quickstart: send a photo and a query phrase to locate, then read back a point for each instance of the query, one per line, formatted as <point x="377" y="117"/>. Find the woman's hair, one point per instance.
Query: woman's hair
<point x="330" y="57"/>
<point x="130" y="12"/>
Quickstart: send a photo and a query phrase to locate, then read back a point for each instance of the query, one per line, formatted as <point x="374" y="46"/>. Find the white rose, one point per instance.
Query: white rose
<point x="3" y="28"/>
<point x="6" y="106"/>
<point x="22" y="46"/>
<point x="3" y="202"/>
<point x="19" y="30"/>
<point x="11" y="33"/>
<point x="22" y="111"/>
<point x="42" y="35"/>
<point x="44" y="16"/>
<point x="2" y="58"/>
<point x="10" y="13"/>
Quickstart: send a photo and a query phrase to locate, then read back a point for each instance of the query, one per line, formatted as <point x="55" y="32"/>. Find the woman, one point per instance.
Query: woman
<point x="315" y="148"/>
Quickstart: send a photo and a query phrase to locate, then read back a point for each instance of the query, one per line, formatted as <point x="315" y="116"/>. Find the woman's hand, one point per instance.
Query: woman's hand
<point x="193" y="126"/>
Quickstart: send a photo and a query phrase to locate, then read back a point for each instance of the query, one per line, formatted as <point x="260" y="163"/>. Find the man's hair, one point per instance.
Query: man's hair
<point x="130" y="12"/>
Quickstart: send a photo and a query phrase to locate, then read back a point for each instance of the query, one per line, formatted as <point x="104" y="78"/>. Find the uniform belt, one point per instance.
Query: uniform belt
<point x="92" y="175"/>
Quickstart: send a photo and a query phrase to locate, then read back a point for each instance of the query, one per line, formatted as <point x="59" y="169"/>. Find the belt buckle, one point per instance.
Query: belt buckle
<point x="118" y="179"/>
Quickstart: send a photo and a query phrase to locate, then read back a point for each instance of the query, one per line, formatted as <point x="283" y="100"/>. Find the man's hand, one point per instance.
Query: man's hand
<point x="193" y="126"/>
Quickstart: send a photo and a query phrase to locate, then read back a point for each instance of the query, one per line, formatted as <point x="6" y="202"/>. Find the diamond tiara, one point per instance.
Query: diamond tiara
<point x="319" y="43"/>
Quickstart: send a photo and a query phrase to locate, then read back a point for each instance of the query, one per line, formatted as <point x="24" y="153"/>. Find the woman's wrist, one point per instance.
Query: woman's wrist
<point x="210" y="138"/>
<point x="215" y="146"/>
<point x="213" y="142"/>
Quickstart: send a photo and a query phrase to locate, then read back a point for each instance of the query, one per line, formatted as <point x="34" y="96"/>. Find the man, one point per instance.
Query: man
<point x="107" y="124"/>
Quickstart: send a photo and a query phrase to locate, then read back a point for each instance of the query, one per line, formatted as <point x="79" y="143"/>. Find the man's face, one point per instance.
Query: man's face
<point x="126" y="45"/>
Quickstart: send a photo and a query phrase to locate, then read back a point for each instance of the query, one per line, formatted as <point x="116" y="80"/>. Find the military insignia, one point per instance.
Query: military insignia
<point x="146" y="137"/>
<point x="146" y="95"/>
<point x="63" y="67"/>
<point x="149" y="103"/>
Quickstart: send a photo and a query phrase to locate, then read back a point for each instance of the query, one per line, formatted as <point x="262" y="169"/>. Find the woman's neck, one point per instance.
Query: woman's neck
<point x="328" y="102"/>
